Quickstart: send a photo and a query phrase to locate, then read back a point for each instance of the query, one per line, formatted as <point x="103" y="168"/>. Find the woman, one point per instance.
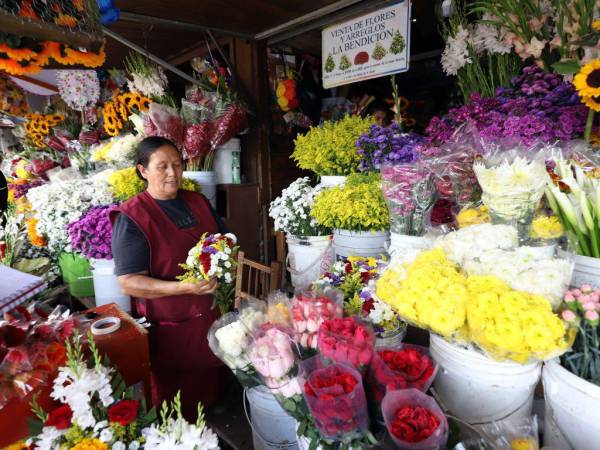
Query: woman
<point x="152" y="234"/>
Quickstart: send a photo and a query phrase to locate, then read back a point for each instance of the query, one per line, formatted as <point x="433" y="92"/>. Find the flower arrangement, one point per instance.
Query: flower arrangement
<point x="506" y="324"/>
<point x="330" y="149"/>
<point x="60" y="203"/>
<point x="146" y="77"/>
<point x="34" y="237"/>
<point x="91" y="235"/>
<point x="381" y="146"/>
<point x="414" y="420"/>
<point x="230" y="337"/>
<point x="350" y="275"/>
<point x="80" y="89"/>
<point x="120" y="150"/>
<point x="214" y="256"/>
<point x="38" y="126"/>
<point x="537" y="106"/>
<point x="581" y="309"/>
<point x="346" y="341"/>
<point x="336" y="399"/>
<point x="380" y="315"/>
<point x="116" y="112"/>
<point x="291" y="210"/>
<point x="309" y="310"/>
<point x="394" y="369"/>
<point x="358" y="205"/>
<point x="572" y="194"/>
<point x="588" y="87"/>
<point x="409" y="192"/>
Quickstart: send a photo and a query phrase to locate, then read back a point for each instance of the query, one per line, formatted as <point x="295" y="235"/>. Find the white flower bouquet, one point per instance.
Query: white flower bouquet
<point x="291" y="210"/>
<point x="230" y="337"/>
<point x="214" y="256"/>
<point x="120" y="150"/>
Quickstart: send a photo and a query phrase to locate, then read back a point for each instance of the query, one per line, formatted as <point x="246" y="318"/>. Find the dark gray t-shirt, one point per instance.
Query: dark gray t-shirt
<point x="130" y="248"/>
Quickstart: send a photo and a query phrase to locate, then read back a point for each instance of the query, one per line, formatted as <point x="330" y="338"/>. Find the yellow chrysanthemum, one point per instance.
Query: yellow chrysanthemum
<point x="587" y="80"/>
<point x="472" y="216"/>
<point x="90" y="444"/>
<point x="592" y="102"/>
<point x="596" y="25"/>
<point x="546" y="227"/>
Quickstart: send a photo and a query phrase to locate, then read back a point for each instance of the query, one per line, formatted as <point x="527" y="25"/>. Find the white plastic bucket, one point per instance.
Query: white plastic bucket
<point x="479" y="390"/>
<point x="359" y="243"/>
<point x="106" y="285"/>
<point x="207" y="182"/>
<point x="572" y="419"/>
<point x="223" y="164"/>
<point x="308" y="257"/>
<point x="272" y="427"/>
<point x="332" y="180"/>
<point x="403" y="242"/>
<point x="587" y="269"/>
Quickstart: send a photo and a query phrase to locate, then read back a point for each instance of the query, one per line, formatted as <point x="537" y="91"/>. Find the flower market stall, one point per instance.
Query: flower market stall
<point x="444" y="280"/>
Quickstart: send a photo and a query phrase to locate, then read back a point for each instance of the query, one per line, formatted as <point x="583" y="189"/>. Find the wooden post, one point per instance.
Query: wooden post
<point x="249" y="60"/>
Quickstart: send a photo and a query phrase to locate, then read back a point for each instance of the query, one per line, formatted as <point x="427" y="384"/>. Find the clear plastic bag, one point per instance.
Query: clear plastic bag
<point x="512" y="434"/>
<point x="336" y="399"/>
<point x="409" y="366"/>
<point x="348" y="341"/>
<point x="414" y="420"/>
<point x="409" y="193"/>
<point x="278" y="311"/>
<point x="161" y="120"/>
<point x="310" y="308"/>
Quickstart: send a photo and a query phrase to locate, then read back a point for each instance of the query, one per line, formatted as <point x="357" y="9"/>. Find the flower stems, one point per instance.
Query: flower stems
<point x="588" y="126"/>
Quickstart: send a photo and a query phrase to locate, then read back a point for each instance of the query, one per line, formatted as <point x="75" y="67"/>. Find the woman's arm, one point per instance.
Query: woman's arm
<point x="143" y="286"/>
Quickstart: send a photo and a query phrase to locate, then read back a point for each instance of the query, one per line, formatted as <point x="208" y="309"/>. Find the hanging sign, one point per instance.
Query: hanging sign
<point x="369" y="46"/>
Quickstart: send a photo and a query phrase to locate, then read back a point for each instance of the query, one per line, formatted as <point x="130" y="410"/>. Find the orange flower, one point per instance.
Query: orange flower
<point x="78" y="4"/>
<point x="65" y="20"/>
<point x="27" y="11"/>
<point x="35" y="238"/>
<point x="18" y="67"/>
<point x="86" y="58"/>
<point x="18" y="54"/>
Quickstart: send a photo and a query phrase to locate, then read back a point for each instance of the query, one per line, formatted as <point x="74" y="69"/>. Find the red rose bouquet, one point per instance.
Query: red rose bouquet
<point x="335" y="398"/>
<point x="404" y="368"/>
<point x="310" y="309"/>
<point x="414" y="420"/>
<point x="349" y="341"/>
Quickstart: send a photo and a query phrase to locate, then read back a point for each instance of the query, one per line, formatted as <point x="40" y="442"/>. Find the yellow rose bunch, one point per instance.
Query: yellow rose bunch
<point x="125" y="184"/>
<point x="472" y="216"/>
<point x="510" y="324"/>
<point x="90" y="444"/>
<point x="330" y="149"/>
<point x="431" y="293"/>
<point x="358" y="205"/>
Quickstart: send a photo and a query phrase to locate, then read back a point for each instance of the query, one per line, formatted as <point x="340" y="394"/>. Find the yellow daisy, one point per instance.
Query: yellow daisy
<point x="587" y="81"/>
<point x="592" y="102"/>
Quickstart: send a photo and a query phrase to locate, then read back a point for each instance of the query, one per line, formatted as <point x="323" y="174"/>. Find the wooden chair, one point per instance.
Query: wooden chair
<point x="255" y="280"/>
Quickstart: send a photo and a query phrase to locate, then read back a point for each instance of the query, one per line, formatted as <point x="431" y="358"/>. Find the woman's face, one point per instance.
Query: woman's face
<point x="164" y="172"/>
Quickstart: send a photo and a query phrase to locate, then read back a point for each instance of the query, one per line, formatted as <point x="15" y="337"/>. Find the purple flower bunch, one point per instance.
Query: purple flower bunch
<point x="20" y="189"/>
<point x="91" y="234"/>
<point x="538" y="106"/>
<point x="382" y="146"/>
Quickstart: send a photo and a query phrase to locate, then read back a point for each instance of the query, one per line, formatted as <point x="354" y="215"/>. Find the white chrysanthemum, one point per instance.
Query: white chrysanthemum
<point x="124" y="148"/>
<point x="456" y="52"/>
<point x="49" y="439"/>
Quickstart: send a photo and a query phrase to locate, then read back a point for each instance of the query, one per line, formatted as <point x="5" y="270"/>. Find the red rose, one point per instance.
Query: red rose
<point x="123" y="412"/>
<point x="60" y="418"/>
<point x="414" y="424"/>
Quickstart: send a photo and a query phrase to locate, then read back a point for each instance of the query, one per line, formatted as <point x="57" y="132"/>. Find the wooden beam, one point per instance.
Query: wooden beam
<point x="198" y="49"/>
<point x="337" y="16"/>
<point x="176" y="24"/>
<point x="39" y="83"/>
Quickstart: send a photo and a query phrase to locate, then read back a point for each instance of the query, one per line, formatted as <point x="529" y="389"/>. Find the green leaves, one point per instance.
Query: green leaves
<point x="566" y="67"/>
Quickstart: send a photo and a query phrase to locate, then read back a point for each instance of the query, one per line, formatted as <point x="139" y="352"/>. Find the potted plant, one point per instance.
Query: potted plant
<point x="330" y="150"/>
<point x="357" y="213"/>
<point x="309" y="244"/>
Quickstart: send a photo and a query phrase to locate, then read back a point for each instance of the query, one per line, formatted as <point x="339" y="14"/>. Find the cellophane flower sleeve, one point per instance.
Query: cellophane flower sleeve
<point x="512" y="434"/>
<point x="310" y="308"/>
<point x="336" y="399"/>
<point x="161" y="120"/>
<point x="230" y="337"/>
<point x="348" y="341"/>
<point x="414" y="420"/>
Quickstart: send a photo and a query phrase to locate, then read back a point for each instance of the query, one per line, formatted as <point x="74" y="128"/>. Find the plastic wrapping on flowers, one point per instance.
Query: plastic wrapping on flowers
<point x="381" y="146"/>
<point x="336" y="399"/>
<point x="229" y="339"/>
<point x="348" y="341"/>
<point x="409" y="192"/>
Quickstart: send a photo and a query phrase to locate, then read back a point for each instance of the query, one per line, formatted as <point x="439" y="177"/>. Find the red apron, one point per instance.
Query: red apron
<point x="179" y="352"/>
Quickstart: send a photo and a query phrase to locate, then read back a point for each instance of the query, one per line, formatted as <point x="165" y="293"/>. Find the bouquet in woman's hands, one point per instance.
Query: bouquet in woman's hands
<point x="215" y="256"/>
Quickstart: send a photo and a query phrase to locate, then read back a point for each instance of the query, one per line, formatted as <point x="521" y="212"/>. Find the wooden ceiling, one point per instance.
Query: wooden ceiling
<point x="243" y="17"/>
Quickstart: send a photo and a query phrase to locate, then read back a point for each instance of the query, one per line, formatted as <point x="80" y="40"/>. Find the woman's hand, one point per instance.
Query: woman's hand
<point x="200" y="288"/>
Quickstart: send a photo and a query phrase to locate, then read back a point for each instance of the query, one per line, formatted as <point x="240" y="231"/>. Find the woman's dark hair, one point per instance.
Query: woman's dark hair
<point x="147" y="147"/>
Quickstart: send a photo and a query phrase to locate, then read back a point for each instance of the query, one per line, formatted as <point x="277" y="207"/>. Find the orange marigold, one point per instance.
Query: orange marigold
<point x="35" y="238"/>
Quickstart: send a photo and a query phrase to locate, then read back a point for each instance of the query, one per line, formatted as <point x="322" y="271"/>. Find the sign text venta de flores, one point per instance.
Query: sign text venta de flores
<point x="369" y="46"/>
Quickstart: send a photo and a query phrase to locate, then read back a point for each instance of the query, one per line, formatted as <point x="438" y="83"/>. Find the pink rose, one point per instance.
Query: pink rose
<point x="586" y="288"/>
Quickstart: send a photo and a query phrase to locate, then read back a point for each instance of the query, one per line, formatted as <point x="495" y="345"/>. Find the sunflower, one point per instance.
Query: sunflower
<point x="587" y="81"/>
<point x="592" y="102"/>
